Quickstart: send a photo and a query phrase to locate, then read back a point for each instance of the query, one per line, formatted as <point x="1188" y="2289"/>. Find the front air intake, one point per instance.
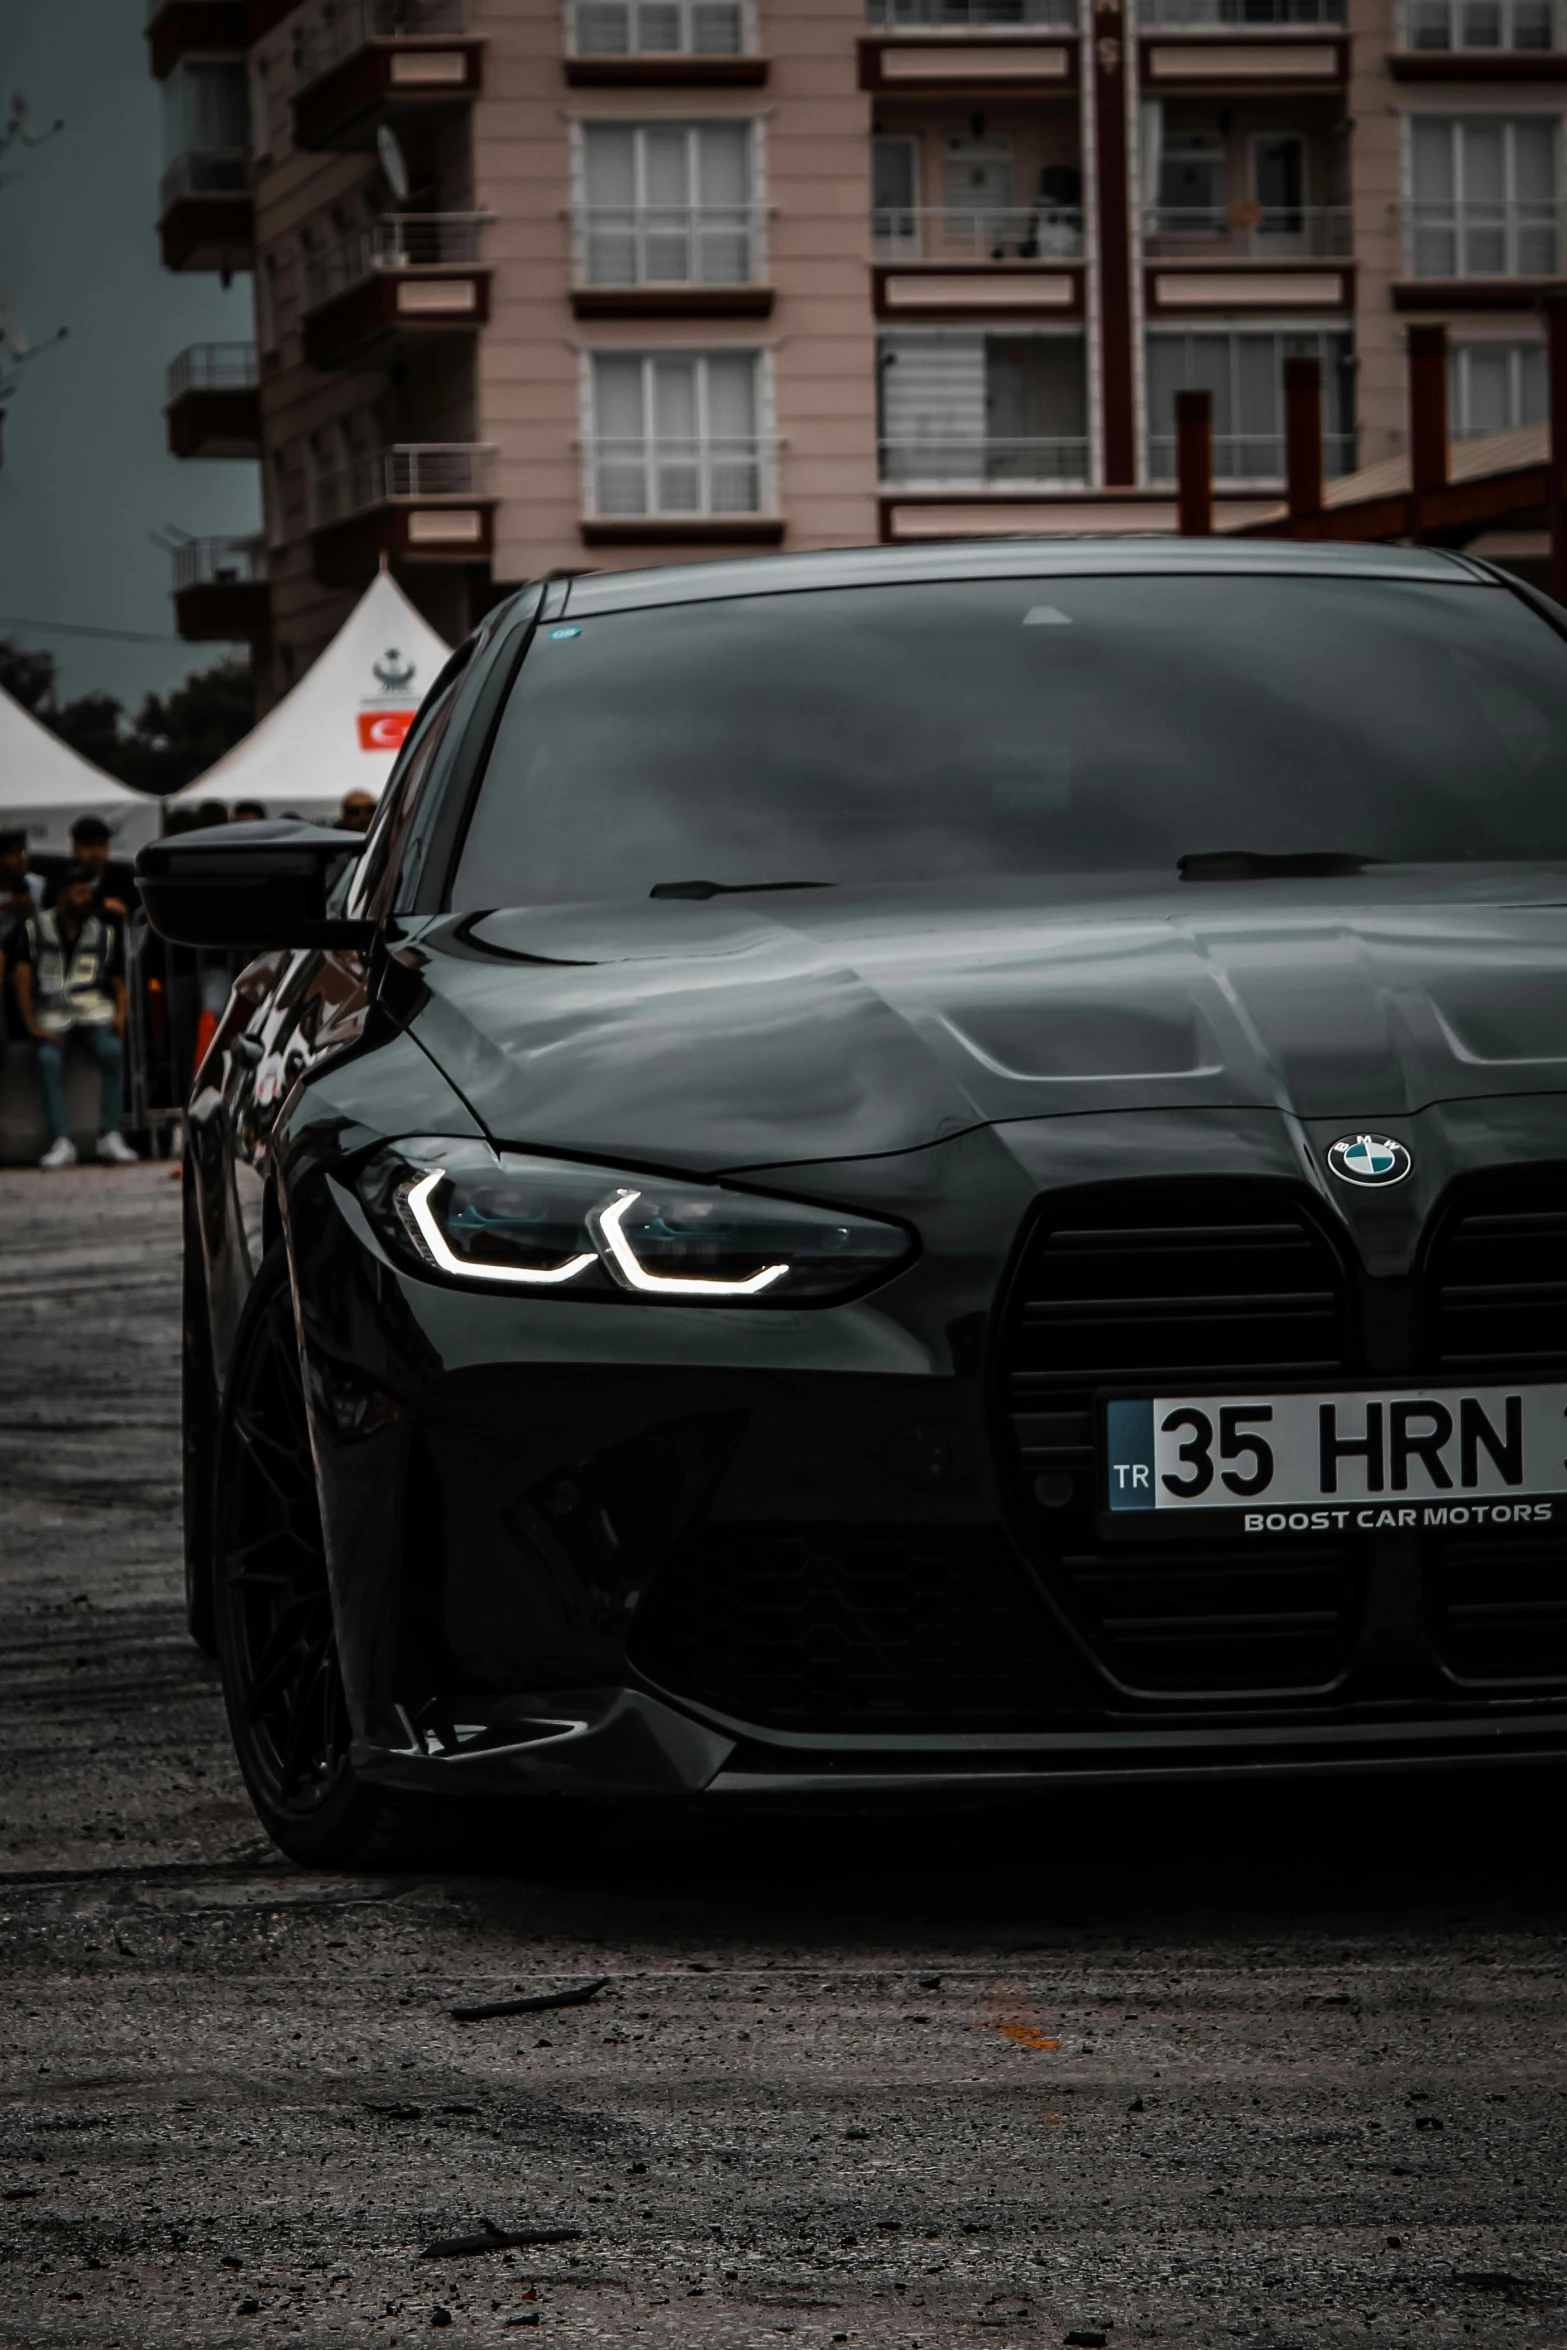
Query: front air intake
<point x="1174" y="1285"/>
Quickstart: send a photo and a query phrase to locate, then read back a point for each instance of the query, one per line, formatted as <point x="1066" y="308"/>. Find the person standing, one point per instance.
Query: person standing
<point x="114" y="885"/>
<point x="21" y="890"/>
<point x="69" y="963"/>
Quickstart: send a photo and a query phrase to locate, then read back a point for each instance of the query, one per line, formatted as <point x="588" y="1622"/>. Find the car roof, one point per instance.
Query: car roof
<point x="1051" y="558"/>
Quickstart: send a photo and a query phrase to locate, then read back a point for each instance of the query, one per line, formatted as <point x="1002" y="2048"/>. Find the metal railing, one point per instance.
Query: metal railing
<point x="662" y="476"/>
<point x="214" y="367"/>
<point x="1248" y="232"/>
<point x="346" y="25"/>
<point x="409" y="470"/>
<point x="219" y="563"/>
<point x="1032" y="232"/>
<point x="1236" y="16"/>
<point x="970" y="16"/>
<point x="1484" y="239"/>
<point x="915" y="461"/>
<point x="402" y="241"/>
<point x="1250" y="458"/>
<point x="670" y="245"/>
<point x="205" y="171"/>
<point x="1482" y="24"/>
<point x="694" y="28"/>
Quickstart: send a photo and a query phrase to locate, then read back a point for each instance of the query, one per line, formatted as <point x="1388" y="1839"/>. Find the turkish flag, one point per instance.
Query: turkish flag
<point x="383" y="730"/>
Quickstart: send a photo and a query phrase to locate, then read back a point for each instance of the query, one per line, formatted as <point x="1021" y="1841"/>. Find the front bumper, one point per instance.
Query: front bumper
<point x="674" y="1553"/>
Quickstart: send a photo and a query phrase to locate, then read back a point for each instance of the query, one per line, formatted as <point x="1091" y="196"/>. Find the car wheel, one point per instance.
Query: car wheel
<point x="277" y="1637"/>
<point x="198" y="1418"/>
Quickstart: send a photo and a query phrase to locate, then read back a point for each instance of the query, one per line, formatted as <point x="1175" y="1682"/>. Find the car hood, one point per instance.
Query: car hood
<point x="759" y="1030"/>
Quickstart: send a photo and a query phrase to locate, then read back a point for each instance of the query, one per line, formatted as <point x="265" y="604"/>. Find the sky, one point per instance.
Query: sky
<point x="86" y="476"/>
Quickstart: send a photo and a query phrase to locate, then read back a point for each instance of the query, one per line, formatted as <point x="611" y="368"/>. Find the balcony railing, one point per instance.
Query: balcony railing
<point x="675" y="479"/>
<point x="1483" y="24"/>
<point x="1489" y="239"/>
<point x="409" y="472"/>
<point x="1035" y="232"/>
<point x="346" y="25"/>
<point x="670" y="245"/>
<point x="1248" y="232"/>
<point x="219" y="563"/>
<point x="1236" y="16"/>
<point x="214" y="367"/>
<point x="403" y="241"/>
<point x="1256" y="459"/>
<point x="970" y="16"/>
<point x="205" y="171"/>
<point x="917" y="462"/>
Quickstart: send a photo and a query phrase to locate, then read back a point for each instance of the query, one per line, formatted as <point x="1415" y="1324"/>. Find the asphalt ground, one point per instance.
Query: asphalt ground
<point x="1251" y="2067"/>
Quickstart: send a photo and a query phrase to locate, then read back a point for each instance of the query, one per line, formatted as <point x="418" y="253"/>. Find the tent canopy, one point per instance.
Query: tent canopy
<point x="44" y="784"/>
<point x="341" y="727"/>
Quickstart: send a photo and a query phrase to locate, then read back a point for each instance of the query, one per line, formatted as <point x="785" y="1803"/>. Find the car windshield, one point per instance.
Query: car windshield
<point x="1058" y="726"/>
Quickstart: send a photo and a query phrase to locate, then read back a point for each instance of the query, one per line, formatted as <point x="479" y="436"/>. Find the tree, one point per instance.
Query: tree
<point x="173" y="738"/>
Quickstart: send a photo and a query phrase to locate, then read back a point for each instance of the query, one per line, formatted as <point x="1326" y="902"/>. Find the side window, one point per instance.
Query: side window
<point x="374" y="887"/>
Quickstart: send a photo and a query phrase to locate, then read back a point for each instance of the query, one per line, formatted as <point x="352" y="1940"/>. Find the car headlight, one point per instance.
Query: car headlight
<point x="557" y="1228"/>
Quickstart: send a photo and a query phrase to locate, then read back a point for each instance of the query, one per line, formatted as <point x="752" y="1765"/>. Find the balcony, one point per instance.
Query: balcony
<point x="971" y="16"/>
<point x="671" y="261"/>
<point x="1248" y="232"/>
<point x="1239" y="16"/>
<point x="423" y="501"/>
<point x="1249" y="460"/>
<point x="412" y="275"/>
<point x="214" y="402"/>
<point x="663" y="44"/>
<point x="375" y="63"/>
<point x="206" y="217"/>
<point x="941" y="262"/>
<point x="973" y="465"/>
<point x="182" y="28"/>
<point x="671" y="491"/>
<point x="1492" y="255"/>
<point x="220" y="591"/>
<point x="1481" y="40"/>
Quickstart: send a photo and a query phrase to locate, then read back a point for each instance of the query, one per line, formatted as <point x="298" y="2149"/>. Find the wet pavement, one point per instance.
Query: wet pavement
<point x="1224" y="2068"/>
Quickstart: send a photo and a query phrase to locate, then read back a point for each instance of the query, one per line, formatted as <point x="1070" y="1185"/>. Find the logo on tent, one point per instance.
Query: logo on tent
<point x="381" y="729"/>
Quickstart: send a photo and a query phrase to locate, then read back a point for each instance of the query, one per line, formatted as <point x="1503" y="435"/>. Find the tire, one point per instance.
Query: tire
<point x="277" y="1638"/>
<point x="198" y="1431"/>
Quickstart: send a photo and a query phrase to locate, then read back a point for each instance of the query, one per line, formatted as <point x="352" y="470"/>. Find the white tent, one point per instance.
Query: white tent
<point x="44" y="784"/>
<point x="340" y="728"/>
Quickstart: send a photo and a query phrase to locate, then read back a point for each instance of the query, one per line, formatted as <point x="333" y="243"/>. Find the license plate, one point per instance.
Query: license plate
<point x="1331" y="1462"/>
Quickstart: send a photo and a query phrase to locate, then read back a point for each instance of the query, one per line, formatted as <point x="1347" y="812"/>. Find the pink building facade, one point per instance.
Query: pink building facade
<point x="567" y="284"/>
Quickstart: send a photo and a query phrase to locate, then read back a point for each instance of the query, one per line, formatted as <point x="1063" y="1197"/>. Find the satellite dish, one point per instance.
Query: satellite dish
<point x="393" y="161"/>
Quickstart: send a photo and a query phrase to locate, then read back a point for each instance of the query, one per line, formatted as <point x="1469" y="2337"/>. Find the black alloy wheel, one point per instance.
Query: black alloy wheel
<point x="277" y="1638"/>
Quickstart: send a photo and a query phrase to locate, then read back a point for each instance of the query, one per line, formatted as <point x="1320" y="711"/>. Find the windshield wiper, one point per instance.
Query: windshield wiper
<point x="1263" y="865"/>
<point x="727" y="889"/>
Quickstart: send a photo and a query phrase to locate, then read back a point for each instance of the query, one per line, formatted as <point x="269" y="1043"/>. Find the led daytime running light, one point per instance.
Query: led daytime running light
<point x="549" y="1277"/>
<point x="604" y="1223"/>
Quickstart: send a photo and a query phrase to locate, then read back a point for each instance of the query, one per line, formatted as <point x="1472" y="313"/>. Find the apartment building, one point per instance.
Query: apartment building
<point x="569" y="284"/>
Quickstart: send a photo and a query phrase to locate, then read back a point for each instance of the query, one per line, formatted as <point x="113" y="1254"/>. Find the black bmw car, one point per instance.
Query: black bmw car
<point x="897" y="1176"/>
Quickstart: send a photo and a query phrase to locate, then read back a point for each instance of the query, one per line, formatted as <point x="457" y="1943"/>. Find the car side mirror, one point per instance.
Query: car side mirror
<point x="256" y="886"/>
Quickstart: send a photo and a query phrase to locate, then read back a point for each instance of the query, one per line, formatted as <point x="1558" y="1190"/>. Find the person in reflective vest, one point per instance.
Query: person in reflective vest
<point x="70" y="981"/>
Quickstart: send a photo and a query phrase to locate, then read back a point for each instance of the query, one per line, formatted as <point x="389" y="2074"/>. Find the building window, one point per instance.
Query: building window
<point x="669" y="204"/>
<point x="676" y="433"/>
<point x="1495" y="386"/>
<point x="1193" y="181"/>
<point x="1244" y="371"/>
<point x="1483" y="196"/>
<point x="1481" y="24"/>
<point x="895" y="190"/>
<point x="981" y="408"/>
<point x="654" y="28"/>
